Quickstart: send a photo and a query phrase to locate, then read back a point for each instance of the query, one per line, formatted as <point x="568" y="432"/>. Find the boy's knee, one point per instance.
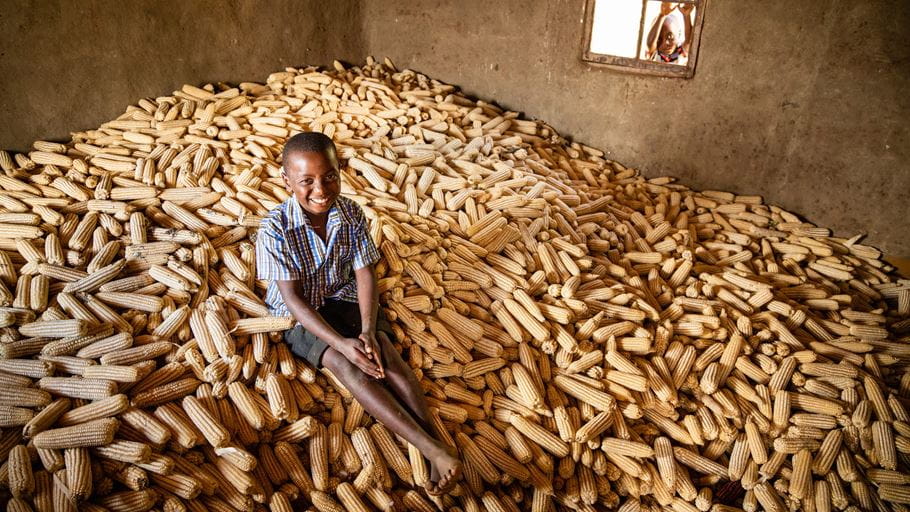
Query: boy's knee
<point x="345" y="370"/>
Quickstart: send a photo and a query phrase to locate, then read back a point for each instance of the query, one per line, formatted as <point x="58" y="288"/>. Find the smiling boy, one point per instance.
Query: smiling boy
<point x="316" y="253"/>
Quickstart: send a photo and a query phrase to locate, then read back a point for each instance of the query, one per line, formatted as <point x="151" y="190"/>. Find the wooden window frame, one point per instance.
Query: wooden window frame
<point x="641" y="66"/>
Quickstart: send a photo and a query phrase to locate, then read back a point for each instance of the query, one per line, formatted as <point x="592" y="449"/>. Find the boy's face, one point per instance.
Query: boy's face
<point x="667" y="42"/>
<point x="312" y="177"/>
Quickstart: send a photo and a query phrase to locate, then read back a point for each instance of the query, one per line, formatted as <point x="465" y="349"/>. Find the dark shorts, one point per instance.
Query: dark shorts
<point x="344" y="317"/>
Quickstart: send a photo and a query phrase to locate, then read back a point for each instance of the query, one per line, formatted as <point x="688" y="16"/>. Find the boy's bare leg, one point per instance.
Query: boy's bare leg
<point x="400" y="377"/>
<point x="377" y="400"/>
<point x="402" y="380"/>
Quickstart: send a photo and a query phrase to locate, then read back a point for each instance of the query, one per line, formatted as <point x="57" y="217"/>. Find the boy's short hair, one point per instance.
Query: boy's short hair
<point x="306" y="142"/>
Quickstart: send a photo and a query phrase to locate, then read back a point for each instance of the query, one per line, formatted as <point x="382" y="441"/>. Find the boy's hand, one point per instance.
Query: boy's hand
<point x="373" y="349"/>
<point x="353" y="349"/>
<point x="666" y="8"/>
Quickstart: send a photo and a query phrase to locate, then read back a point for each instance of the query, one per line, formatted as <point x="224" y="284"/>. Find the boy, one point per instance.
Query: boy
<point x="671" y="34"/>
<point x="317" y="254"/>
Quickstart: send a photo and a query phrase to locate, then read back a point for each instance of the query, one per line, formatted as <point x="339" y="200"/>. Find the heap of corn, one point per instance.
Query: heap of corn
<point x="587" y="338"/>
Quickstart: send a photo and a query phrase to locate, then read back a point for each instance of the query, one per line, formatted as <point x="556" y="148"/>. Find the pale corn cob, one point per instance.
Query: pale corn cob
<point x="247" y="326"/>
<point x="184" y="486"/>
<point x="104" y="408"/>
<point x="297" y="431"/>
<point x="319" y="462"/>
<point x="299" y="476"/>
<point x="68" y="345"/>
<point x="20" y="231"/>
<point x="93" y="433"/>
<point x="137" y="301"/>
<point x="78" y="472"/>
<point x="129" y="501"/>
<point x="112" y="372"/>
<point x="170" y="278"/>
<point x="596" y="398"/>
<point x="104" y="345"/>
<point x="215" y="433"/>
<point x="23" y="397"/>
<point x="539" y="435"/>
<point x="20" y="478"/>
<point x="46" y="417"/>
<point x="55" y="328"/>
<point x="147" y="425"/>
<point x="136" y="354"/>
<point x="125" y="451"/>
<point x="165" y="392"/>
<point x="220" y="336"/>
<point x="246" y="405"/>
<point x="26" y="367"/>
<point x="386" y="445"/>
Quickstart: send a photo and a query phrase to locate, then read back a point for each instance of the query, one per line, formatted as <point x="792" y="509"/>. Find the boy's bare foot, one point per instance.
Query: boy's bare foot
<point x="445" y="471"/>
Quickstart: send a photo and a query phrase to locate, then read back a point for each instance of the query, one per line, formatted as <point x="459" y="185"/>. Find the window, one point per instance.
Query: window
<point x="644" y="36"/>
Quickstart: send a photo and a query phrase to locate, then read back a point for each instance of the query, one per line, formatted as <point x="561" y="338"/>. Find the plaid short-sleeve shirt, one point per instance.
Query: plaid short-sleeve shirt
<point x="287" y="249"/>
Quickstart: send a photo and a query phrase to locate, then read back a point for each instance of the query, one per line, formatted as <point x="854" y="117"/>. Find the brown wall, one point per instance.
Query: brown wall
<point x="805" y="103"/>
<point x="72" y="65"/>
<point x="802" y="102"/>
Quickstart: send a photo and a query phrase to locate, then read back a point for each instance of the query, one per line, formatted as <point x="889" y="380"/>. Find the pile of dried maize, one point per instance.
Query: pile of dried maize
<point x="588" y="338"/>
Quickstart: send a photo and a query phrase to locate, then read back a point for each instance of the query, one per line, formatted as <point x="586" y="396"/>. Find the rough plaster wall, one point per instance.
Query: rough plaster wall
<point x="804" y="103"/>
<point x="67" y="66"/>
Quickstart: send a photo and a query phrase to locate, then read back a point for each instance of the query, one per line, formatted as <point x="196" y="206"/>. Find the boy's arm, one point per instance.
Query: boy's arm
<point x="313" y="322"/>
<point x="686" y="10"/>
<point x="368" y="300"/>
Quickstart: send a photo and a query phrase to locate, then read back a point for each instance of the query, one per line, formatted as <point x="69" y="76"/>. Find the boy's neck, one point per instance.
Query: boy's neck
<point x="317" y="220"/>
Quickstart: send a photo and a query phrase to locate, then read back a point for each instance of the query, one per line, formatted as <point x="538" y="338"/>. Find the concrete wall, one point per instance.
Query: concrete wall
<point x="804" y="103"/>
<point x="67" y="66"/>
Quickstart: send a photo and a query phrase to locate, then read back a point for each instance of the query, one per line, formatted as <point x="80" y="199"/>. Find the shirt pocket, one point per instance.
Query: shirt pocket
<point x="342" y="251"/>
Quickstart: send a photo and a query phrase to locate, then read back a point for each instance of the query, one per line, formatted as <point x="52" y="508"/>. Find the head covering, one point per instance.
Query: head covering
<point x="676" y="23"/>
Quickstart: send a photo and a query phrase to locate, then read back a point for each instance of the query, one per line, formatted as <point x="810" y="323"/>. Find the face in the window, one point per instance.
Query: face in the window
<point x="313" y="179"/>
<point x="667" y="40"/>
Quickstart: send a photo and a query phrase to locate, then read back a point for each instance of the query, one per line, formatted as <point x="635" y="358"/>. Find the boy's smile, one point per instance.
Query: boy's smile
<point x="312" y="177"/>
